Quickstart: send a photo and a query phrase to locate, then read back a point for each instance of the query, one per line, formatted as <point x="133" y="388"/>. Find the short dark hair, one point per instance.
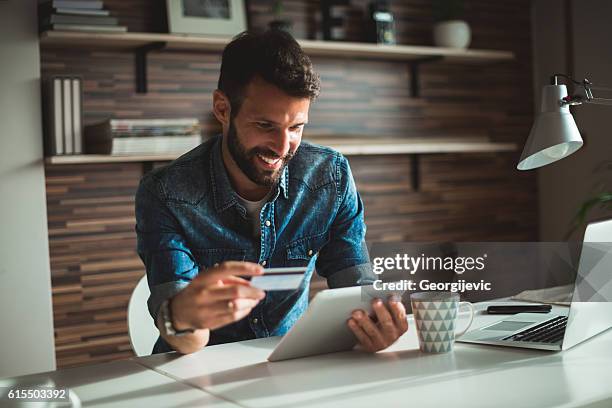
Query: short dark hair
<point x="273" y="55"/>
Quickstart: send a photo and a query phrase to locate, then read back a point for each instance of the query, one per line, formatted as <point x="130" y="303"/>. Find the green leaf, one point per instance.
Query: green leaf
<point x="277" y="8"/>
<point x="604" y="200"/>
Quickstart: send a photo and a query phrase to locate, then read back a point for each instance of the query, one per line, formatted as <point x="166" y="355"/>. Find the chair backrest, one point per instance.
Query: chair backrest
<point x="142" y="330"/>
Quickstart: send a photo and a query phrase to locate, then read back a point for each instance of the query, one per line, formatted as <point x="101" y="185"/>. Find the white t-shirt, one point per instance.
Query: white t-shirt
<point x="253" y="211"/>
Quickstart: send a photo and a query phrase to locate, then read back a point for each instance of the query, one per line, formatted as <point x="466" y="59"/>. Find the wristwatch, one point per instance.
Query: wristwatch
<point x="168" y="325"/>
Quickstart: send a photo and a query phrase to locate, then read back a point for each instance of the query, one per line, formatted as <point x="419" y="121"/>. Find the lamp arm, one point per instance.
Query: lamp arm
<point x="600" y="101"/>
<point x="584" y="95"/>
<point x="554" y="79"/>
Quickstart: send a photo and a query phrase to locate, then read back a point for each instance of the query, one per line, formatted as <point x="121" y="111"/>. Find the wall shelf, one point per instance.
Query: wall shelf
<point x="349" y="146"/>
<point x="142" y="43"/>
<point x="315" y="48"/>
<point x="346" y="146"/>
<point x="352" y="146"/>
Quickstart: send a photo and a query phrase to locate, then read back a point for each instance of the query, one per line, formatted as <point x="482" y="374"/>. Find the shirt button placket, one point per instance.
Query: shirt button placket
<point x="263" y="238"/>
<point x="265" y="233"/>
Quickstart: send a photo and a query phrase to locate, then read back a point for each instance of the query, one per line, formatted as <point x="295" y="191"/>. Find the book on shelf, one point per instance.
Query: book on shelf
<point x="77" y="115"/>
<point x="67" y="109"/>
<point x="146" y="145"/>
<point x="81" y="12"/>
<point x="74" y="4"/>
<point x="79" y="20"/>
<point x="62" y="115"/>
<point x="147" y="127"/>
<point x="150" y="123"/>
<point x="84" y="28"/>
<point x="77" y="15"/>
<point x="53" y="116"/>
<point x="142" y="136"/>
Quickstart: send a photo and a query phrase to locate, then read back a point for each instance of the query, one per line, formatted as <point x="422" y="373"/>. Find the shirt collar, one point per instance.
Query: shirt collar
<point x="223" y="194"/>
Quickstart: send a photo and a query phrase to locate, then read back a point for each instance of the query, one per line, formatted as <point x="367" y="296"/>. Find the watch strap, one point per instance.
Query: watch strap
<point x="168" y="324"/>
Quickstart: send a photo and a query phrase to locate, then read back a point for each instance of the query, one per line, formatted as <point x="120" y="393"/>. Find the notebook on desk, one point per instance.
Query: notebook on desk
<point x="589" y="313"/>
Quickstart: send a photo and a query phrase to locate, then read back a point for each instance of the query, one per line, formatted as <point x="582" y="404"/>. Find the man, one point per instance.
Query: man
<point x="254" y="197"/>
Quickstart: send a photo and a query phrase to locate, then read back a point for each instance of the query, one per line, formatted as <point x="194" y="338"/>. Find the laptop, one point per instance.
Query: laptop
<point x="589" y="313"/>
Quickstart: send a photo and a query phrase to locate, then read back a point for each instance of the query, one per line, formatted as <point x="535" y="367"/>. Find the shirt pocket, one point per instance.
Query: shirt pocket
<point x="207" y="258"/>
<point x="303" y="250"/>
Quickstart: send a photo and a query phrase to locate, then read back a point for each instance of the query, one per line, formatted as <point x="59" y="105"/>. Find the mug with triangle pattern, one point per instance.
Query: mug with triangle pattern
<point x="435" y="318"/>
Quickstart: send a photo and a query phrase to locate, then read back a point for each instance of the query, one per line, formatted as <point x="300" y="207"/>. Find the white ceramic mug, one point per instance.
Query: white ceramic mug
<point x="435" y="317"/>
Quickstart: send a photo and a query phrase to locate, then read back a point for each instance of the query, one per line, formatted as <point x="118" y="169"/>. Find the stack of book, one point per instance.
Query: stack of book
<point x="77" y="15"/>
<point x="143" y="136"/>
<point x="63" y="114"/>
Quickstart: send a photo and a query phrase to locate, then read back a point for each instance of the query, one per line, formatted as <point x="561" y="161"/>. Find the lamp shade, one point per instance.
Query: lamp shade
<point x="554" y="134"/>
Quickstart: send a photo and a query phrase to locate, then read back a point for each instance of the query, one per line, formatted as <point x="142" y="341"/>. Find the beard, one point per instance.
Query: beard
<point x="245" y="159"/>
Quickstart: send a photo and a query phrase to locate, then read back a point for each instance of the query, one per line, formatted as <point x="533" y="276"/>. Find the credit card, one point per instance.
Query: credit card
<point x="279" y="279"/>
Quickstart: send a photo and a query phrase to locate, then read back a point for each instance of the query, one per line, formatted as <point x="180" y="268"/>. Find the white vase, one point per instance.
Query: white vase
<point x="452" y="34"/>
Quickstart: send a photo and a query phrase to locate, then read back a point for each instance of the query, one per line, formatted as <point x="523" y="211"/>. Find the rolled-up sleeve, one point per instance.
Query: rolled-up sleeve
<point x="169" y="263"/>
<point x="345" y="261"/>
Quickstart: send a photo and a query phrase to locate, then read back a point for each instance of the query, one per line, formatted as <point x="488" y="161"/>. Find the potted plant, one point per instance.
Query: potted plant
<point x="278" y="23"/>
<point x="450" y="30"/>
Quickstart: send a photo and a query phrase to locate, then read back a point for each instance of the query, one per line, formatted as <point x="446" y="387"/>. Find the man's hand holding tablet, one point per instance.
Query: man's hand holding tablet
<point x="378" y="333"/>
<point x="323" y="328"/>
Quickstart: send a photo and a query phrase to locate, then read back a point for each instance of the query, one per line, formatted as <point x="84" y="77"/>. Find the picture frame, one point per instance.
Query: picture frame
<point x="206" y="17"/>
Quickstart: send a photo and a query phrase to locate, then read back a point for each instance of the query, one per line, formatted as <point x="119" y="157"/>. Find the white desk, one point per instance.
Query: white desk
<point x="472" y="376"/>
<point x="238" y="375"/>
<point x="122" y="384"/>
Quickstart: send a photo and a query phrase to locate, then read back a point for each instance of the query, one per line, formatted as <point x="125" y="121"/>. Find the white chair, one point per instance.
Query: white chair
<point x="143" y="333"/>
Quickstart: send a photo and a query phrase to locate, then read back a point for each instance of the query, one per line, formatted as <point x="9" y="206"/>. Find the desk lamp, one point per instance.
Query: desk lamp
<point x="554" y="134"/>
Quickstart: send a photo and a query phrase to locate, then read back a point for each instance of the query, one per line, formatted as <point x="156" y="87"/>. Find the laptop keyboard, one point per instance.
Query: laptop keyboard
<point x="550" y="331"/>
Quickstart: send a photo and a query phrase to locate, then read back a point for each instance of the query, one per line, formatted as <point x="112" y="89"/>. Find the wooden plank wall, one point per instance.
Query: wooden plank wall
<point x="462" y="197"/>
<point x="94" y="266"/>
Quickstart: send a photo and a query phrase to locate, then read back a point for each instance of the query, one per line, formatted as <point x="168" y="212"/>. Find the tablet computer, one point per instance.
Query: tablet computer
<point x="323" y="327"/>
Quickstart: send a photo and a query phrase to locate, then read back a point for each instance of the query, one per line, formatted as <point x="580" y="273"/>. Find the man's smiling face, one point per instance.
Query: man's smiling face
<point x="266" y="132"/>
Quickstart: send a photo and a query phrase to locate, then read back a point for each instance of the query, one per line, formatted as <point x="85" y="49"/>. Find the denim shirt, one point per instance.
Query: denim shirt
<point x="188" y="218"/>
